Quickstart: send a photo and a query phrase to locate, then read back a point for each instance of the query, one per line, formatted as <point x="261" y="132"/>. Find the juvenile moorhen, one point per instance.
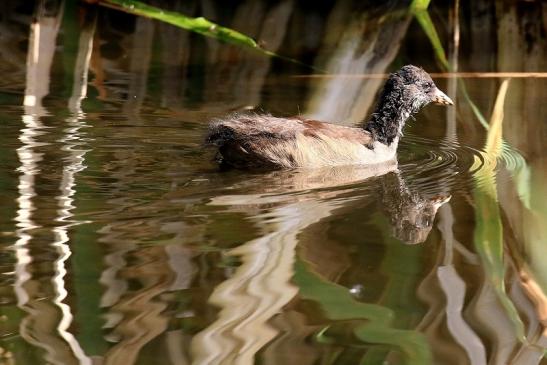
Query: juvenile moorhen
<point x="262" y="141"/>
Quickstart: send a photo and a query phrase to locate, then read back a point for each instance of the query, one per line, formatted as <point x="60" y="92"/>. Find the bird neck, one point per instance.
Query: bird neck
<point x="387" y="122"/>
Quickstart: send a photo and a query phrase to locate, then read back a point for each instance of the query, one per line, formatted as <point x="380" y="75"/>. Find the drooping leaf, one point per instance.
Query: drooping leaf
<point x="198" y="25"/>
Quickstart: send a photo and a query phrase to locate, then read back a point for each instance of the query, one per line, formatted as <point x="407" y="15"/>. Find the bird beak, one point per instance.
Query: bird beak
<point x="440" y="98"/>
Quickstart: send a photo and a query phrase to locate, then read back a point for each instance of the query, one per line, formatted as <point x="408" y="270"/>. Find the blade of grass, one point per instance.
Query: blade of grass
<point x="494" y="138"/>
<point x="488" y="234"/>
<point x="513" y="160"/>
<point x="418" y="5"/>
<point x="419" y="10"/>
<point x="338" y="304"/>
<point x="199" y="25"/>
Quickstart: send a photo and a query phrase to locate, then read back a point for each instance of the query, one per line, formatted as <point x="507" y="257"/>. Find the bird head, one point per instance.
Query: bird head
<point x="417" y="88"/>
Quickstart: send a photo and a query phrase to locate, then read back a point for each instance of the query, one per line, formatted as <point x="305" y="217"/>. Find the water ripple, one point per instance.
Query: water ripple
<point x="433" y="165"/>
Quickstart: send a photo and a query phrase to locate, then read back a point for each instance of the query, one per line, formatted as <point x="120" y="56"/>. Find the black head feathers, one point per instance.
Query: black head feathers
<point x="405" y="93"/>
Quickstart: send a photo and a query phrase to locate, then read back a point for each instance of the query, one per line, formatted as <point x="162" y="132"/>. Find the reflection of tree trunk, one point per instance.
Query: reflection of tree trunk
<point x="74" y="164"/>
<point x="292" y="346"/>
<point x="142" y="314"/>
<point x="329" y="257"/>
<point x="433" y="323"/>
<point x="259" y="288"/>
<point x="46" y="323"/>
<point x="177" y="343"/>
<point x="138" y="317"/>
<point x="235" y="76"/>
<point x="358" y="50"/>
<point x="490" y="320"/>
<point x="39" y="329"/>
<point x="454" y="289"/>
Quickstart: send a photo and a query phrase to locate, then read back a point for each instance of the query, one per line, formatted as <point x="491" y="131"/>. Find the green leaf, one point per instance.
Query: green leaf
<point x="514" y="161"/>
<point x="488" y="234"/>
<point x="417" y="5"/>
<point x="422" y="16"/>
<point x="374" y="320"/>
<point x="198" y="25"/>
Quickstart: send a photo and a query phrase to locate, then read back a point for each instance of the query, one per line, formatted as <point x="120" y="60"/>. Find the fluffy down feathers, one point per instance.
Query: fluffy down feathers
<point x="255" y="141"/>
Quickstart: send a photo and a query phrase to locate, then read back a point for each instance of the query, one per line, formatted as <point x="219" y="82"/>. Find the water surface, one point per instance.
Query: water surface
<point x="123" y="243"/>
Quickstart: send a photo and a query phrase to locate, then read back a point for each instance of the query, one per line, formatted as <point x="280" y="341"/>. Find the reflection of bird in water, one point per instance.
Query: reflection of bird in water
<point x="411" y="214"/>
<point x="263" y="141"/>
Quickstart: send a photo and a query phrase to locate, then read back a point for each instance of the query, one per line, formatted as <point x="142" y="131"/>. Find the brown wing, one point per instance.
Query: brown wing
<point x="242" y="138"/>
<point x="241" y="127"/>
<point x="314" y="128"/>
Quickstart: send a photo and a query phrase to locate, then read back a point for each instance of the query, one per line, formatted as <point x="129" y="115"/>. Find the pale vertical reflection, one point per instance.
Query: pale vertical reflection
<point x="43" y="33"/>
<point x="37" y="86"/>
<point x="259" y="288"/>
<point x="75" y="163"/>
<point x="452" y="285"/>
<point x="358" y="50"/>
<point x="29" y="167"/>
<point x="42" y="39"/>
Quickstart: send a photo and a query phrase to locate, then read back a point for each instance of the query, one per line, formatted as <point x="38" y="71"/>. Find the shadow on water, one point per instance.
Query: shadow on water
<point x="122" y="243"/>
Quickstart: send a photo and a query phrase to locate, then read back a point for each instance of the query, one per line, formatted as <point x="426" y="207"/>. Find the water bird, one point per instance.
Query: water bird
<point x="262" y="141"/>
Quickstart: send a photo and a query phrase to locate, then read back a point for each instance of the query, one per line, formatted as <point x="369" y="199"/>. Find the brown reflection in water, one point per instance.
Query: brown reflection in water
<point x="138" y="279"/>
<point x="292" y="346"/>
<point x="410" y="214"/>
<point x="135" y="317"/>
<point x="443" y="290"/>
<point x="260" y="287"/>
<point x="464" y="323"/>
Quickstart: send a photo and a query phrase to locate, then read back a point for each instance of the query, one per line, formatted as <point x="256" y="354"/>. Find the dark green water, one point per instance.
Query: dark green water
<point x="122" y="243"/>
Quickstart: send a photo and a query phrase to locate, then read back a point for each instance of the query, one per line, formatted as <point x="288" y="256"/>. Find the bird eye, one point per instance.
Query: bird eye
<point x="427" y="86"/>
